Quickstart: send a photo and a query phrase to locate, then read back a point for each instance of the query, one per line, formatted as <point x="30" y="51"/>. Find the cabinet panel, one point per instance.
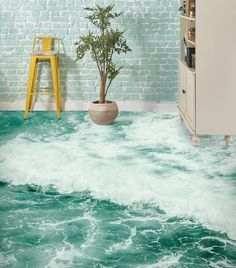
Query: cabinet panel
<point x="216" y="67"/>
<point x="182" y="88"/>
<point x="190" y="103"/>
<point x="187" y="89"/>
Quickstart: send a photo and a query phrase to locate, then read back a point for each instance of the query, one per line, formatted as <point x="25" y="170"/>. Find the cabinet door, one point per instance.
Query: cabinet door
<point x="190" y="103"/>
<point x="182" y="88"/>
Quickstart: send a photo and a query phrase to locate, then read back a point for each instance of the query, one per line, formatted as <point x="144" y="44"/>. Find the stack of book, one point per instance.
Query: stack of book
<point x="191" y="34"/>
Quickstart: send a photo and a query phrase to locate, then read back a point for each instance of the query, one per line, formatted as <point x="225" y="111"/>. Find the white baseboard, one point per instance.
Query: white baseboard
<point x="132" y="106"/>
<point x="147" y="106"/>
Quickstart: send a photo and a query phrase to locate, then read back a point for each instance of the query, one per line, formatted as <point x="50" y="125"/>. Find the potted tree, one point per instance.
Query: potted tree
<point x="102" y="46"/>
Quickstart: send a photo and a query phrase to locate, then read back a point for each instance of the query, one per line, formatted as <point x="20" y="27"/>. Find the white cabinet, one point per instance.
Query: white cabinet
<point x="182" y="88"/>
<point x="186" y="101"/>
<point x="207" y="94"/>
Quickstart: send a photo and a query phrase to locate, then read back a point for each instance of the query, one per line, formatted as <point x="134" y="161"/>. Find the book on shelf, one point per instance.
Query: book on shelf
<point x="187" y="8"/>
<point x="188" y="2"/>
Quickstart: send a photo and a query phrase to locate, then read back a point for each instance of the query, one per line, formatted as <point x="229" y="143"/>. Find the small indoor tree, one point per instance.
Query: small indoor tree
<point x="103" y="45"/>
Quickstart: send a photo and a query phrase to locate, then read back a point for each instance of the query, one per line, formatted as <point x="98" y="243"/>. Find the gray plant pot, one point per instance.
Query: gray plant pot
<point x="103" y="113"/>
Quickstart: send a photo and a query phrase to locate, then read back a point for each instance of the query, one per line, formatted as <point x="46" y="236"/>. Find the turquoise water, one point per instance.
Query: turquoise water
<point x="133" y="194"/>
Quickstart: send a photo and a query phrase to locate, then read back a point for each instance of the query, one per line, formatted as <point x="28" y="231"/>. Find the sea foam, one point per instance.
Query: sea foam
<point x="148" y="159"/>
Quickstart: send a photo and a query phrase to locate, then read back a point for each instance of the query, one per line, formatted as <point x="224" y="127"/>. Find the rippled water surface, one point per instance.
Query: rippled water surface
<point x="133" y="194"/>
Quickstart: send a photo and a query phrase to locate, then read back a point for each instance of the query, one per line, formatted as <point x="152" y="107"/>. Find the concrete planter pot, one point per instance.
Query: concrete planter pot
<point x="103" y="113"/>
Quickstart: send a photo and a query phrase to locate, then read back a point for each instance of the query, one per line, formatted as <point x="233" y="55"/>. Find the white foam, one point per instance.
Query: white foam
<point x="220" y="264"/>
<point x="124" y="244"/>
<point x="165" y="262"/>
<point x="64" y="255"/>
<point x="7" y="260"/>
<point x="92" y="159"/>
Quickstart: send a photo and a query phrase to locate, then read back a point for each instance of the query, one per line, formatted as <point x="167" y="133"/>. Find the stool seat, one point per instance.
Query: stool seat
<point x="44" y="54"/>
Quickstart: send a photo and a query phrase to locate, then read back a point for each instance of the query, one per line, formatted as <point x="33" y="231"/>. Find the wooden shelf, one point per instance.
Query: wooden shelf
<point x="187" y="18"/>
<point x="191" y="41"/>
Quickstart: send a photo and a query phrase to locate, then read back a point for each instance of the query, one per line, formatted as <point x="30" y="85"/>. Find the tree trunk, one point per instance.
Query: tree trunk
<point x="102" y="87"/>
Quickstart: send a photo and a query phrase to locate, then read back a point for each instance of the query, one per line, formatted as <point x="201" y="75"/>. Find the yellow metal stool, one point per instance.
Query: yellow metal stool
<point x="46" y="54"/>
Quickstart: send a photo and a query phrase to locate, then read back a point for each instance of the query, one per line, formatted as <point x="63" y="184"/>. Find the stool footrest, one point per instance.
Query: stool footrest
<point x="42" y="88"/>
<point x="42" y="93"/>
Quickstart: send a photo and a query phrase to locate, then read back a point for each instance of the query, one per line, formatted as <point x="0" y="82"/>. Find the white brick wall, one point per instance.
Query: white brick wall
<point x="150" y="70"/>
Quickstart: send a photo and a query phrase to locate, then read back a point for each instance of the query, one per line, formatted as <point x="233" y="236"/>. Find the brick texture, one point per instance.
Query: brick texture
<point x="150" y="70"/>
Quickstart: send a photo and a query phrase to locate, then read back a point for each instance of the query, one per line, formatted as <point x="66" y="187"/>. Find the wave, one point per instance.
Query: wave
<point x="150" y="159"/>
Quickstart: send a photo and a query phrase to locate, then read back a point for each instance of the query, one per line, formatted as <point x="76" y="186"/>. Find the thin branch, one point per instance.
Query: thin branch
<point x="107" y="71"/>
<point x="108" y="87"/>
<point x="113" y="77"/>
<point x="103" y="54"/>
<point x="97" y="60"/>
<point x="109" y="62"/>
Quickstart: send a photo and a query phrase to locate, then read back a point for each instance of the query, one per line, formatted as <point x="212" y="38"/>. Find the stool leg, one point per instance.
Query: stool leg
<point x="33" y="87"/>
<point x="55" y="84"/>
<point x="30" y="85"/>
<point x="59" y="83"/>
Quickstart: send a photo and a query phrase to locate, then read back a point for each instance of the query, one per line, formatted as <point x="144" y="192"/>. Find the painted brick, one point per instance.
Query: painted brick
<point x="150" y="70"/>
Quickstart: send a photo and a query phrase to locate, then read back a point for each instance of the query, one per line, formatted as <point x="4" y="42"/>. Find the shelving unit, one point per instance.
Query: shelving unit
<point x="191" y="41"/>
<point x="207" y="93"/>
<point x="187" y="18"/>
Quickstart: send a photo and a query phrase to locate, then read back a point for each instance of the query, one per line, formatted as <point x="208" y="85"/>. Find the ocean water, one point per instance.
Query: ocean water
<point x="133" y="194"/>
